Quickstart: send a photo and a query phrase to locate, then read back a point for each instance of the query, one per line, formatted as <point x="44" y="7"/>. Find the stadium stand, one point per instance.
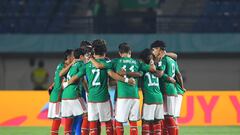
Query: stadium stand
<point x="74" y="16"/>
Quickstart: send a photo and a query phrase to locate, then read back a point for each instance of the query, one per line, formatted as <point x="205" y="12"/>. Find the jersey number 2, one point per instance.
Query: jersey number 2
<point x="96" y="73"/>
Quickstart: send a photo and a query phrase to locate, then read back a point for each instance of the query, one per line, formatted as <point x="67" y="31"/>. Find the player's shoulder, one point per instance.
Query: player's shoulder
<point x="60" y="65"/>
<point x="169" y="58"/>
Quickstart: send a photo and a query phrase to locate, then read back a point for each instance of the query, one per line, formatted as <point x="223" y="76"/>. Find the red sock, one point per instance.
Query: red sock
<point x="55" y="126"/>
<point x="164" y="126"/>
<point x="114" y="127"/>
<point x="146" y="128"/>
<point x="109" y="128"/>
<point x="68" y="126"/>
<point x="157" y="128"/>
<point x="93" y="128"/>
<point x="119" y="128"/>
<point x="171" y="126"/>
<point x="152" y="129"/>
<point x="133" y="128"/>
<point x="85" y="126"/>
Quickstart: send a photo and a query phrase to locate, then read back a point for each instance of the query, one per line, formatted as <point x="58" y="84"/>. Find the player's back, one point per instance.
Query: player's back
<point x="130" y="65"/>
<point x="98" y="81"/>
<point x="73" y="90"/>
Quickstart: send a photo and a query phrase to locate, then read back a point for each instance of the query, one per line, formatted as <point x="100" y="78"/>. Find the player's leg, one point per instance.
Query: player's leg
<point x="147" y="118"/>
<point x="67" y="115"/>
<point x="122" y="113"/>
<point x="105" y="115"/>
<point x="84" y="124"/>
<point x="146" y="125"/>
<point x="55" y="126"/>
<point x="171" y="125"/>
<point x="164" y="121"/>
<point x="134" y="116"/>
<point x="178" y="110"/>
<point x="75" y="124"/>
<point x="158" y="118"/>
<point x="68" y="126"/>
<point x="54" y="114"/>
<point x="93" y="117"/>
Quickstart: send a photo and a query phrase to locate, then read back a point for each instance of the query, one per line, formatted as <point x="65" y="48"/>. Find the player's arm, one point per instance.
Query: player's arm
<point x="117" y="77"/>
<point x="50" y="88"/>
<point x="75" y="78"/>
<point x="172" y="55"/>
<point x="97" y="64"/>
<point x="179" y="77"/>
<point x="66" y="69"/>
<point x="123" y="72"/>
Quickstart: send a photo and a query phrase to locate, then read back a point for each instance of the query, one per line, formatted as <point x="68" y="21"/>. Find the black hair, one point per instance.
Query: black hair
<point x="85" y="43"/>
<point x="78" y="52"/>
<point x="145" y="55"/>
<point x="67" y="53"/>
<point x="99" y="47"/>
<point x="124" y="48"/>
<point x="159" y="44"/>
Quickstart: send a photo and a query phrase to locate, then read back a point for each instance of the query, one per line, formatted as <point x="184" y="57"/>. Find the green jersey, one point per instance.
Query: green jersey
<point x="130" y="65"/>
<point x="151" y="89"/>
<point x="178" y="87"/>
<point x="57" y="84"/>
<point x="72" y="91"/>
<point x="98" y="81"/>
<point x="168" y="65"/>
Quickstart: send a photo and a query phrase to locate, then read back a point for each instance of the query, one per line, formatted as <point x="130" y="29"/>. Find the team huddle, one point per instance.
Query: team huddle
<point x="87" y="69"/>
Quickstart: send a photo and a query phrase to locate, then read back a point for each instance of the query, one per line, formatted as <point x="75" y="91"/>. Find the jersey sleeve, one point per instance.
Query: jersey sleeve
<point x="144" y="67"/>
<point x="114" y="63"/>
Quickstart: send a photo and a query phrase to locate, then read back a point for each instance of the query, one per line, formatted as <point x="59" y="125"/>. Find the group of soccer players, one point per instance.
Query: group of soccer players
<point x="88" y="69"/>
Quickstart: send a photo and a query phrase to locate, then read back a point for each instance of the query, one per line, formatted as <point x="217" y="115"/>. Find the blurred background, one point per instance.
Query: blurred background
<point x="204" y="33"/>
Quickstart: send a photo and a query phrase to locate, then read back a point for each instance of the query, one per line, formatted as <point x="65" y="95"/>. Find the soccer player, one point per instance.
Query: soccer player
<point x="78" y="121"/>
<point x="128" y="104"/>
<point x="72" y="103"/>
<point x="99" y="106"/>
<point x="55" y="94"/>
<point x="152" y="98"/>
<point x="167" y="83"/>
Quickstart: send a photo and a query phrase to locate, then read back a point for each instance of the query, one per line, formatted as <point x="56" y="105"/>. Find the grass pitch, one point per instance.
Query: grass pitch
<point x="208" y="130"/>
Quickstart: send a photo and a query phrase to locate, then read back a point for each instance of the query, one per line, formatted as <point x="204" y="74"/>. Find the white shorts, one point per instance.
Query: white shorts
<point x="101" y="111"/>
<point x="178" y="105"/>
<point x="169" y="105"/>
<point x="74" y="107"/>
<point x="152" y="112"/>
<point x="54" y="110"/>
<point x="127" y="109"/>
